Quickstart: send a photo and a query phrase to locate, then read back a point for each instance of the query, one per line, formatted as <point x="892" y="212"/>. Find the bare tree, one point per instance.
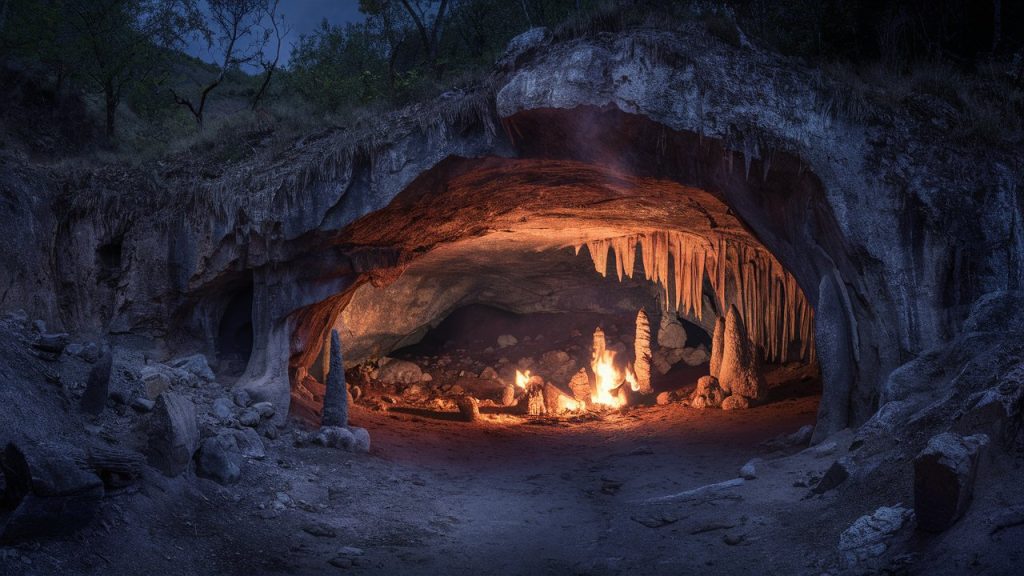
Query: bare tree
<point x="233" y="23"/>
<point x="278" y="31"/>
<point x="419" y="11"/>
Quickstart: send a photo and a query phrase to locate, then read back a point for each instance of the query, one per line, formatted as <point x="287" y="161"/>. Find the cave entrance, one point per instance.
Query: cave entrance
<point x="602" y="267"/>
<point x="235" y="333"/>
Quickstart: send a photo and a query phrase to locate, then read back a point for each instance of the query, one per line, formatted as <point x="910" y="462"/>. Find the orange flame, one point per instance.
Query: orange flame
<point x="608" y="378"/>
<point x="522" y="379"/>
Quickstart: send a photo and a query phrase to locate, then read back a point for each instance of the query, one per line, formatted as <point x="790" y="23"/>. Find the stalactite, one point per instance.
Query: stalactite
<point x="768" y="298"/>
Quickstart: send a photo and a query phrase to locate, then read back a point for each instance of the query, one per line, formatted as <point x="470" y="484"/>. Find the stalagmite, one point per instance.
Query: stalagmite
<point x="580" y="386"/>
<point x="739" y="372"/>
<point x="768" y="299"/>
<point x="335" y="397"/>
<point x="716" y="347"/>
<point x="642" y="351"/>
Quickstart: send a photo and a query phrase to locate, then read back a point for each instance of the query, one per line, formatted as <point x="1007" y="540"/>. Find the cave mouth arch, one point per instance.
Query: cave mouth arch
<point x="500" y="230"/>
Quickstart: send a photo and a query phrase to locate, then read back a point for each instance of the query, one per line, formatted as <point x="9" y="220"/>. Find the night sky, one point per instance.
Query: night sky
<point x="302" y="16"/>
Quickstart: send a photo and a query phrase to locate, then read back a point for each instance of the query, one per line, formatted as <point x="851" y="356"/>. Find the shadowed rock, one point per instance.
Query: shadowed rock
<point x="944" y="479"/>
<point x="97" y="388"/>
<point x="335" y="398"/>
<point x="173" y="435"/>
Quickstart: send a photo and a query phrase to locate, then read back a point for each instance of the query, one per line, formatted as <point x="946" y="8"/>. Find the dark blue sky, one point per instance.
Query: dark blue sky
<point x="302" y="16"/>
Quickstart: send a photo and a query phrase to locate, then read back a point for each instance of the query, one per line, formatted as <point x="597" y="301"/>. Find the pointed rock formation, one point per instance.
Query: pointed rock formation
<point x="642" y="352"/>
<point x="739" y="372"/>
<point x="97" y="388"/>
<point x="581" y="388"/>
<point x="335" y="397"/>
<point x="716" y="347"/>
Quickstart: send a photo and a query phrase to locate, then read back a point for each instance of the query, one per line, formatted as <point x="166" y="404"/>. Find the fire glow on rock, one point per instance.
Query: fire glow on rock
<point x="771" y="304"/>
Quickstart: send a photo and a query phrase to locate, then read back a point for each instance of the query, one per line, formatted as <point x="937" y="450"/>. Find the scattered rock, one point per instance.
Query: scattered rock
<point x="248" y="443"/>
<point x="749" y="470"/>
<point x="836" y="474"/>
<point x="196" y="365"/>
<point x="708" y="393"/>
<point x="143" y="404"/>
<point x="219" y="459"/>
<point x="222" y="409"/>
<point x="52" y="343"/>
<point x="944" y="475"/>
<point x="506" y="340"/>
<point x="155" y="382"/>
<point x="264" y="409"/>
<point x="50" y="493"/>
<point x="394" y="371"/>
<point x="241" y="398"/>
<point x="469" y="408"/>
<point x="740" y="372"/>
<point x="320" y="530"/>
<point x="173" y="435"/>
<point x="735" y="402"/>
<point x="694" y="356"/>
<point x="869" y="535"/>
<point x="671" y="333"/>
<point x="361" y="439"/>
<point x="249" y="417"/>
<point x="97" y="387"/>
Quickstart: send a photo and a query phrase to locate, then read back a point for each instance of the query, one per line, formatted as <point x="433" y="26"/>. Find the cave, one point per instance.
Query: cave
<point x="616" y="288"/>
<point x="561" y="234"/>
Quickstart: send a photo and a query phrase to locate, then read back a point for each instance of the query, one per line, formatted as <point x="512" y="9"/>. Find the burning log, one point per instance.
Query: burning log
<point x="642" y="351"/>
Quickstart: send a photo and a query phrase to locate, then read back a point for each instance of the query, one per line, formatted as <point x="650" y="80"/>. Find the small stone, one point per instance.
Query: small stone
<point x="469" y="408"/>
<point x="335" y="437"/>
<point x="394" y="371"/>
<point x="248" y="443"/>
<point x="241" y="398"/>
<point x="143" y="404"/>
<point x="836" y="474"/>
<point x="361" y="439"/>
<point x="320" y="530"/>
<point x="249" y="417"/>
<point x="222" y="409"/>
<point x="664" y="398"/>
<point x="488" y="373"/>
<point x="506" y="340"/>
<point x="219" y="459"/>
<point x="52" y="343"/>
<point x="735" y="402"/>
<point x="196" y="365"/>
<point x="155" y="382"/>
<point x="265" y="409"/>
<point x="749" y="470"/>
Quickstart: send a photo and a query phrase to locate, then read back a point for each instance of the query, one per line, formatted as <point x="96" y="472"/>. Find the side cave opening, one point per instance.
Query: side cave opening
<point x="235" y="333"/>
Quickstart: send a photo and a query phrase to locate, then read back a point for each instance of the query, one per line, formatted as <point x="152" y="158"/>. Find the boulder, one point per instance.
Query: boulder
<point x="694" y="356"/>
<point x="394" y="371"/>
<point x="717" y="340"/>
<point x="248" y="443"/>
<point x="335" y="437"/>
<point x="836" y="474"/>
<point x="663" y="399"/>
<point x="707" y="394"/>
<point x="97" y="387"/>
<point x="52" y="343"/>
<point x="869" y="535"/>
<point x="264" y="409"/>
<point x="241" y="398"/>
<point x="642" y="352"/>
<point x="155" y="381"/>
<point x="557" y="366"/>
<point x="219" y="459"/>
<point x="49" y="492"/>
<point x="749" y="470"/>
<point x="222" y="409"/>
<point x="196" y="365"/>
<point x="249" y="417"/>
<point x="735" y="402"/>
<point x="944" y="475"/>
<point x="671" y="333"/>
<point x="740" y="372"/>
<point x="469" y="408"/>
<point x="173" y="434"/>
<point x="506" y="340"/>
<point x="143" y="404"/>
